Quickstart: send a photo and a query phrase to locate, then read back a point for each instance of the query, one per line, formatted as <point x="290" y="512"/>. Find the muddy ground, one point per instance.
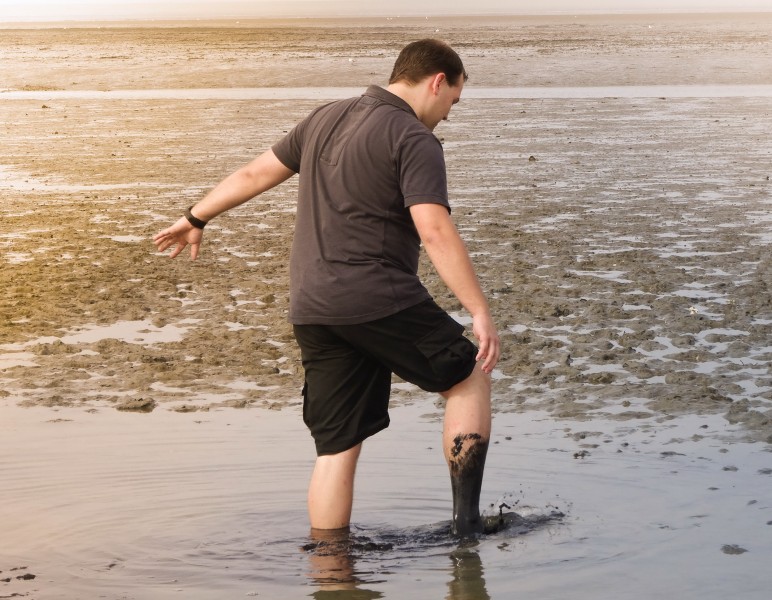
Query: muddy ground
<point x="624" y="242"/>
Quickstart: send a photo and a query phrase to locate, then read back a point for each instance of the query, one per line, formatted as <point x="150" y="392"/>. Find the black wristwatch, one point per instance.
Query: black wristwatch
<point x="197" y="223"/>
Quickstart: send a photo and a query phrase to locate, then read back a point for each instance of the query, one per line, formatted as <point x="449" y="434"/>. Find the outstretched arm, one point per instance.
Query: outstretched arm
<point x="449" y="256"/>
<point x="263" y="173"/>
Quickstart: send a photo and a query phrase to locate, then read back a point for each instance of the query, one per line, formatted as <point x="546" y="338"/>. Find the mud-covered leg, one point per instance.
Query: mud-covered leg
<point x="465" y="444"/>
<point x="467" y="464"/>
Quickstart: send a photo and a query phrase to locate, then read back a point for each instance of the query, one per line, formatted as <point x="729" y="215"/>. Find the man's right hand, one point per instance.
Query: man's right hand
<point x="488" y="339"/>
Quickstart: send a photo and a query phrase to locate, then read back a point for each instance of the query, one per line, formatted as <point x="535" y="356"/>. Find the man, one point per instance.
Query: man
<point x="372" y="188"/>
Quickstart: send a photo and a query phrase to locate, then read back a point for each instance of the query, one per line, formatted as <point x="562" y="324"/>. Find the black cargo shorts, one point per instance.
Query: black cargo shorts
<point x="348" y="369"/>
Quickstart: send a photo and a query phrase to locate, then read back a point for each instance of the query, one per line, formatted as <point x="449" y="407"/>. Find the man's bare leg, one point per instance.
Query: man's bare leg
<point x="465" y="445"/>
<point x="331" y="491"/>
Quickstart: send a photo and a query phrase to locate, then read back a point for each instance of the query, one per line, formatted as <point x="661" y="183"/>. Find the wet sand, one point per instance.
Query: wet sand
<point x="624" y="242"/>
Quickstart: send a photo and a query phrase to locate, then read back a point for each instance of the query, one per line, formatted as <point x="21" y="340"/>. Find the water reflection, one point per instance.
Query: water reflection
<point x="332" y="569"/>
<point x="468" y="582"/>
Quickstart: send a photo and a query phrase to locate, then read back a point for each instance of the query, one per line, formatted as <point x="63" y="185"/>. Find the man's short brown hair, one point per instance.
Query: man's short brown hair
<point x="427" y="57"/>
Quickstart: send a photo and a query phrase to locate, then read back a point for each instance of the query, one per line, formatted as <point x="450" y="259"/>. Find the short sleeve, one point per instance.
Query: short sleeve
<point x="422" y="173"/>
<point x="290" y="148"/>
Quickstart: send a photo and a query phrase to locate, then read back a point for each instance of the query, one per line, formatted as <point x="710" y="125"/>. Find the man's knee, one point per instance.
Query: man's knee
<point x="478" y="382"/>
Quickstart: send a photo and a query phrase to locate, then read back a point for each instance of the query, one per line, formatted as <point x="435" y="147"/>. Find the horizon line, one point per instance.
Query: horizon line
<point x="230" y="18"/>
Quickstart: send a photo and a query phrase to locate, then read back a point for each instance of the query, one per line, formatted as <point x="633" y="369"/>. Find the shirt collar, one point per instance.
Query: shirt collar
<point x="378" y="92"/>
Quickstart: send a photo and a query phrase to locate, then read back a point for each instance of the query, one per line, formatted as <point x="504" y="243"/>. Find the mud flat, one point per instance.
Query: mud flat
<point x="624" y="244"/>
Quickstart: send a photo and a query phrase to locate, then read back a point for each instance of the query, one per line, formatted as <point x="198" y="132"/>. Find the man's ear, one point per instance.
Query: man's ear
<point x="437" y="82"/>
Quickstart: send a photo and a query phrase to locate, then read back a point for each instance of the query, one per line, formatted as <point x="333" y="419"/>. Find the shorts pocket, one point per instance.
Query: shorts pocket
<point x="440" y="338"/>
<point x="450" y="355"/>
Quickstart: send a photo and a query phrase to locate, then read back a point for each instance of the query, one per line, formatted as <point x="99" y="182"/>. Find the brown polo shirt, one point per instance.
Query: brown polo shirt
<point x="362" y="163"/>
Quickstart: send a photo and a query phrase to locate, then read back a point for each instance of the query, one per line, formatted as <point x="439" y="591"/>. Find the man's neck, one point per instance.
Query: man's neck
<point x="408" y="93"/>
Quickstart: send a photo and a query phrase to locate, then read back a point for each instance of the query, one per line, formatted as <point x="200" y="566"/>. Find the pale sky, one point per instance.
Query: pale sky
<point x="48" y="10"/>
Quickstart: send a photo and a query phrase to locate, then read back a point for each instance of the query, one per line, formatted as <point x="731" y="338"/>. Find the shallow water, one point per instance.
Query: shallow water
<point x="211" y="505"/>
<point x="470" y="92"/>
